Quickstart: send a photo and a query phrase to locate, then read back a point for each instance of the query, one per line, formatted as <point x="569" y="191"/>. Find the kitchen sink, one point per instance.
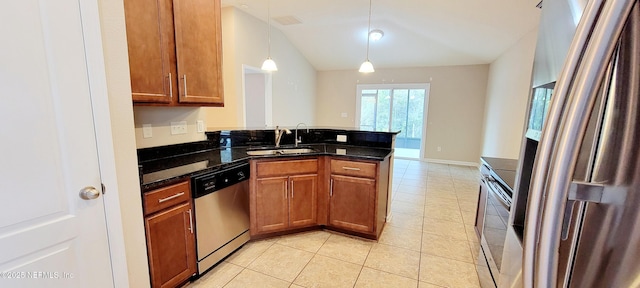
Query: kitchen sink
<point x="280" y="151"/>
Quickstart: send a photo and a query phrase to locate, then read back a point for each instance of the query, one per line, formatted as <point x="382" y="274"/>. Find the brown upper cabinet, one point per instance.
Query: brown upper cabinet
<point x="175" y="52"/>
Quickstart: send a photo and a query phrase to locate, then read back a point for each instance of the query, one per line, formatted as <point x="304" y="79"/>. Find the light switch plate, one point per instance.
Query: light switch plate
<point x="179" y="127"/>
<point x="147" y="131"/>
<point x="341" y="138"/>
<point x="200" y="126"/>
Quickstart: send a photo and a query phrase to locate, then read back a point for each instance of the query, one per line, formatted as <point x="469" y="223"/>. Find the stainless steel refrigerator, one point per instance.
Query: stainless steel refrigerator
<point x="576" y="220"/>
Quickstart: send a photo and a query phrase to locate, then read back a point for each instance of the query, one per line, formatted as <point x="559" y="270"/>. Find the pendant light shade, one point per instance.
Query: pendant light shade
<point x="367" y="67"/>
<point x="269" y="64"/>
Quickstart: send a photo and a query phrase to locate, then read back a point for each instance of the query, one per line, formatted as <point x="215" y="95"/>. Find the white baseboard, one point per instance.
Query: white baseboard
<point x="441" y="161"/>
<point x="451" y="162"/>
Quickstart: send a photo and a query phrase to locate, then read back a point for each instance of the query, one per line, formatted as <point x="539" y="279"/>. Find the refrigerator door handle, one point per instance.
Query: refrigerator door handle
<point x="580" y="192"/>
<point x="583" y="94"/>
<point x="584" y="191"/>
<point x="547" y="141"/>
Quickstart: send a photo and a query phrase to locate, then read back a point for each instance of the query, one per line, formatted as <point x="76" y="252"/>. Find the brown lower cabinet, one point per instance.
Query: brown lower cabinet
<point x="283" y="195"/>
<point x="169" y="232"/>
<point x="352" y="203"/>
<point x="358" y="194"/>
<point x="342" y="194"/>
<point x="302" y="203"/>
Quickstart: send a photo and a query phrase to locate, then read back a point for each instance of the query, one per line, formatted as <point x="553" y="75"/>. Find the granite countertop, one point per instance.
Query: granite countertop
<point x="164" y="165"/>
<point x="503" y="168"/>
<point x="159" y="172"/>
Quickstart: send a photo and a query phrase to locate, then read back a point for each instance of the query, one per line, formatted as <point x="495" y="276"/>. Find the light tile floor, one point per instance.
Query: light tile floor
<point x="429" y="242"/>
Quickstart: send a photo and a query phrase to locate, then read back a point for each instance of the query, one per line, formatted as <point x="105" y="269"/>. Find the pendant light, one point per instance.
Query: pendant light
<point x="367" y="67"/>
<point x="269" y="64"/>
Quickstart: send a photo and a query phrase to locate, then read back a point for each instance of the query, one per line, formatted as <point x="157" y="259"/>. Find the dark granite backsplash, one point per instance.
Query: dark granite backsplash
<point x="155" y="153"/>
<point x="232" y="138"/>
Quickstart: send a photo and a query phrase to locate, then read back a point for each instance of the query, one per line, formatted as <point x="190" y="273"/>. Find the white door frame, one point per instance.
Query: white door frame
<point x="104" y="138"/>
<point x="425" y="86"/>
<point x="268" y="94"/>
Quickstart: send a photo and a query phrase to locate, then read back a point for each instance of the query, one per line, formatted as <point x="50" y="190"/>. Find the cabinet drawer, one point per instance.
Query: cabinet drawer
<point x="353" y="168"/>
<point x="286" y="168"/>
<point x="162" y="198"/>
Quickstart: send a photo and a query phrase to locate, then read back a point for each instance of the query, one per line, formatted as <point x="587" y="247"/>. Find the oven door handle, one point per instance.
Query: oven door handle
<point x="490" y="186"/>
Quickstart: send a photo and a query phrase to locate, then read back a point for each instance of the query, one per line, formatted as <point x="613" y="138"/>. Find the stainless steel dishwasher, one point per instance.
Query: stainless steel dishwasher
<point x="221" y="213"/>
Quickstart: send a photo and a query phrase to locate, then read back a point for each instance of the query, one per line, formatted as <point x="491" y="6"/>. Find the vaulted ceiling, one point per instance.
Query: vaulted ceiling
<point x="332" y="34"/>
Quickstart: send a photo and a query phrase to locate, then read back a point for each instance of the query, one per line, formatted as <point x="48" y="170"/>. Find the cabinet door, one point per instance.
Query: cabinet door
<point x="271" y="204"/>
<point x="171" y="246"/>
<point x="199" y="51"/>
<point x="302" y="200"/>
<point x="151" y="44"/>
<point x="352" y="203"/>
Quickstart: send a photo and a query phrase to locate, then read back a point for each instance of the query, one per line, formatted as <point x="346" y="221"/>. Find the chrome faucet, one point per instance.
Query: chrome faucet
<point x="299" y="140"/>
<point x="279" y="134"/>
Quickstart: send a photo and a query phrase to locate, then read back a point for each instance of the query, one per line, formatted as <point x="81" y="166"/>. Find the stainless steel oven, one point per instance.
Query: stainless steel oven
<point x="497" y="199"/>
<point x="221" y="213"/>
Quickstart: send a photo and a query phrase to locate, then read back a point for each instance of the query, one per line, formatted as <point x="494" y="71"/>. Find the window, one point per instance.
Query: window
<point x="400" y="107"/>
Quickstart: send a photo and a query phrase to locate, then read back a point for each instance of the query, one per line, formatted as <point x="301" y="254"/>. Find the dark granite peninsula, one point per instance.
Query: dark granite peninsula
<point x="163" y="165"/>
<point x="203" y="200"/>
<point x="340" y="181"/>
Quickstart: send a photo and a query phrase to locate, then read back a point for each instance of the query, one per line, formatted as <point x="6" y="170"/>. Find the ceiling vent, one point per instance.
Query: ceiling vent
<point x="287" y="20"/>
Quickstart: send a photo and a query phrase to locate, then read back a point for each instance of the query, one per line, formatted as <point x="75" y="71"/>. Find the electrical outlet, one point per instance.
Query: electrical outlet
<point x="439" y="148"/>
<point x="343" y="114"/>
<point x="147" y="131"/>
<point x="200" y="126"/>
<point x="341" y="138"/>
<point x="179" y="127"/>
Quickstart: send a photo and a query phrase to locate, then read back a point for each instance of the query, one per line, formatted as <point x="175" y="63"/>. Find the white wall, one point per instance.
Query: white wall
<point x="456" y="105"/>
<point x="244" y="39"/>
<point x="128" y="187"/>
<point x="508" y="91"/>
<point x="160" y="119"/>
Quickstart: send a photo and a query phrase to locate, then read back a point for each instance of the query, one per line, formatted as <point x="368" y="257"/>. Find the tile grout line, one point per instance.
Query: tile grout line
<point x="424" y="175"/>
<point x="307" y="264"/>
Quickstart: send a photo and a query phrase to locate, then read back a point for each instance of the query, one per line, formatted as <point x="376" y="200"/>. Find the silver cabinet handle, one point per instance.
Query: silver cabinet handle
<point x="184" y="81"/>
<point x="286" y="191"/>
<point x="331" y="188"/>
<point x="170" y="86"/>
<point x="291" y="181"/>
<point x="170" y="197"/>
<point x="351" y="168"/>
<point x="190" y="221"/>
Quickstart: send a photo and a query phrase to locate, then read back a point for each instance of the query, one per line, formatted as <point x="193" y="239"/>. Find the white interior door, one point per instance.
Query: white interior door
<point x="49" y="236"/>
